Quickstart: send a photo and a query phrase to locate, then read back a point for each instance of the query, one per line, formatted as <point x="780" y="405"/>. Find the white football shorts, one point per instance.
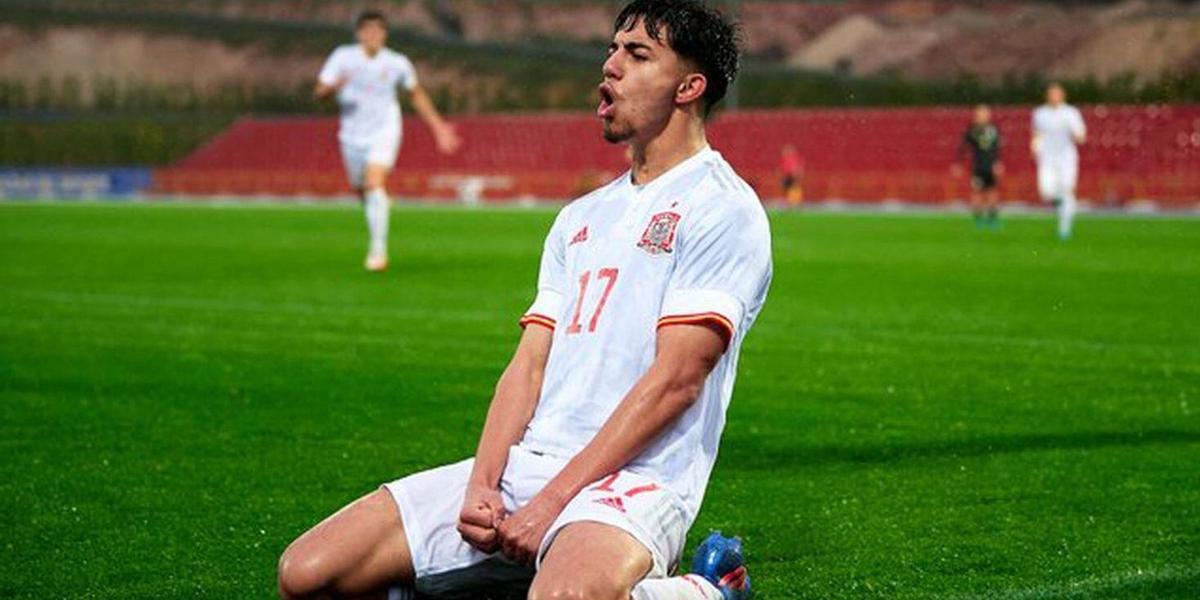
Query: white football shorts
<point x="1057" y="176"/>
<point x="430" y="502"/>
<point x="381" y="151"/>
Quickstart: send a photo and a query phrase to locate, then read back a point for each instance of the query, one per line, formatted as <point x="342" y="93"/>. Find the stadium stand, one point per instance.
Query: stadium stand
<point x="853" y="155"/>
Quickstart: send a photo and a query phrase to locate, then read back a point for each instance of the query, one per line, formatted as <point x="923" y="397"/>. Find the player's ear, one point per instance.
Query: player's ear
<point x="691" y="88"/>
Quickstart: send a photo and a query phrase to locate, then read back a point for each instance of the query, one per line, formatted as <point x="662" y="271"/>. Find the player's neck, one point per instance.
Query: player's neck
<point x="680" y="140"/>
<point x="371" y="53"/>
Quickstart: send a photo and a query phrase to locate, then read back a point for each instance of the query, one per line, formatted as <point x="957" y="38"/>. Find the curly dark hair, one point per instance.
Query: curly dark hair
<point x="369" y="15"/>
<point x="694" y="31"/>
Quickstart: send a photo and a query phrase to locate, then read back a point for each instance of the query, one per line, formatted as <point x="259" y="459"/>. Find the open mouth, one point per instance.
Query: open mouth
<point x="607" y="99"/>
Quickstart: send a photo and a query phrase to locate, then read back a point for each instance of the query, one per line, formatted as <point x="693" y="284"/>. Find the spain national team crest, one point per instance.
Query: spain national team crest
<point x="660" y="233"/>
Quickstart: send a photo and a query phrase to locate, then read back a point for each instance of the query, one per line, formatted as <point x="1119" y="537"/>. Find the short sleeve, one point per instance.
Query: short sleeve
<point x="723" y="268"/>
<point x="407" y="77"/>
<point x="330" y="71"/>
<point x="551" y="277"/>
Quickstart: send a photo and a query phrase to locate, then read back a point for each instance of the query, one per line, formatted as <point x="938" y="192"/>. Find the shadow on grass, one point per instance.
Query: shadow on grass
<point x="751" y="457"/>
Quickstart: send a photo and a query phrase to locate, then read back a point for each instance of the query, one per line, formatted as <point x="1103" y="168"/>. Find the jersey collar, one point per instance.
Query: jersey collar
<point x="362" y="50"/>
<point x="675" y="172"/>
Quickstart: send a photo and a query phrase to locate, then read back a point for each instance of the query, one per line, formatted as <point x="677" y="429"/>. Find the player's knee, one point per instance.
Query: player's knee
<point x="557" y="591"/>
<point x="375" y="179"/>
<point x="575" y="589"/>
<point x="301" y="575"/>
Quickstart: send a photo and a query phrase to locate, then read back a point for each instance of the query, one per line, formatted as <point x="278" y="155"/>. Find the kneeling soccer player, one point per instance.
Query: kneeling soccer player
<point x="604" y="427"/>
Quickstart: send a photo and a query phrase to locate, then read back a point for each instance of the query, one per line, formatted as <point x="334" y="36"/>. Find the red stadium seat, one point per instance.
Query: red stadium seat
<point x="865" y="155"/>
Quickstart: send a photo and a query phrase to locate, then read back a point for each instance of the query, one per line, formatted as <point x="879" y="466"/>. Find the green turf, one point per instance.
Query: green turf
<point x="924" y="410"/>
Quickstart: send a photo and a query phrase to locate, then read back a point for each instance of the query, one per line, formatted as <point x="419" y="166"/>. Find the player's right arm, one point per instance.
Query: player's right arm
<point x="330" y="79"/>
<point x="964" y="150"/>
<point x="511" y="409"/>
<point x="516" y="397"/>
<point x="323" y="91"/>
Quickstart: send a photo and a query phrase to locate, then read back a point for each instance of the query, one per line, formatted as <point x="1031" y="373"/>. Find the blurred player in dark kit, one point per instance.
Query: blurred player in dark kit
<point x="982" y="141"/>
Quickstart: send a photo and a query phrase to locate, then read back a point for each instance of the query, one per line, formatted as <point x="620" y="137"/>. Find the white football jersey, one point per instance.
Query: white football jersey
<point x="691" y="246"/>
<point x="1058" y="127"/>
<point x="368" y="100"/>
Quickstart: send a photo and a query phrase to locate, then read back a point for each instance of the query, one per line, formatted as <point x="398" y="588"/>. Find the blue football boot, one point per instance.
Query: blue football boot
<point x="719" y="560"/>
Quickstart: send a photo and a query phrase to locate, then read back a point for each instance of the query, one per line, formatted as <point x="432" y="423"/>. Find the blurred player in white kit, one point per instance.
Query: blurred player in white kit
<point x="363" y="77"/>
<point x="1057" y="128"/>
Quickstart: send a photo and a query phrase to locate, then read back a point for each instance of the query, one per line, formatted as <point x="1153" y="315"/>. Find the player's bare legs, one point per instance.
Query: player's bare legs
<point x="378" y="207"/>
<point x="977" y="208"/>
<point x="375" y="177"/>
<point x="991" y="204"/>
<point x="356" y="553"/>
<point x="1067" y="207"/>
<point x="591" y="560"/>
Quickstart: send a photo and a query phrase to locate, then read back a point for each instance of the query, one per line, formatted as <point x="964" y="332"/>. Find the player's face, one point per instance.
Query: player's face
<point x="641" y="76"/>
<point x="1055" y="95"/>
<point x="982" y="115"/>
<point x="372" y="35"/>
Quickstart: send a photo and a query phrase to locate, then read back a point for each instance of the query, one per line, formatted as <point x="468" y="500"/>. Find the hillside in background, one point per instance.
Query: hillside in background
<point x="261" y="55"/>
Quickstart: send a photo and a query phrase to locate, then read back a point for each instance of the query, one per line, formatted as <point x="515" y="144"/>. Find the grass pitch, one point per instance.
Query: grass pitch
<point x="923" y="411"/>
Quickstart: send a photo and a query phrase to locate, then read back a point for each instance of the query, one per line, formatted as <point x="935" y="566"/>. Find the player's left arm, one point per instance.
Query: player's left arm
<point x="1078" y="128"/>
<point x="1035" y="136"/>
<point x="444" y="134"/>
<point x="331" y="79"/>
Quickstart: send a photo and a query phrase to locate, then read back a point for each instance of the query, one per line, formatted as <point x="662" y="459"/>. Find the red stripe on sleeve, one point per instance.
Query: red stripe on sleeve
<point x="537" y="319"/>
<point x="712" y="318"/>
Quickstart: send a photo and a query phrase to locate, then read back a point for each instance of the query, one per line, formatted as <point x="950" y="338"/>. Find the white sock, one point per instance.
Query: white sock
<point x="687" y="587"/>
<point x="377" y="208"/>
<point x="1066" y="215"/>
